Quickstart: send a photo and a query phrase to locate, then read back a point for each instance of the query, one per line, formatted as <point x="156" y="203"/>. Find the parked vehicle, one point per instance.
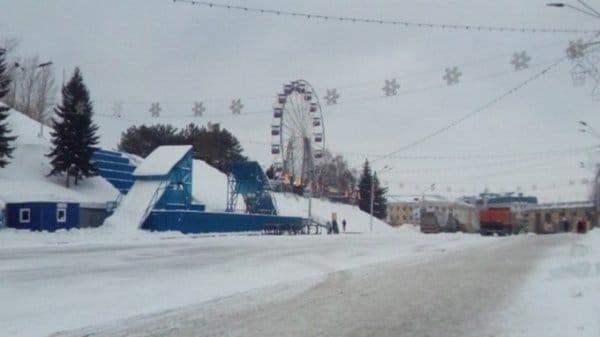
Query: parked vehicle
<point x="435" y="222"/>
<point x="497" y="220"/>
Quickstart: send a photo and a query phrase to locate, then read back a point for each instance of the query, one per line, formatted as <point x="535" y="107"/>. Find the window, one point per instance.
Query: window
<point x="61" y="214"/>
<point x="548" y="217"/>
<point x="25" y="215"/>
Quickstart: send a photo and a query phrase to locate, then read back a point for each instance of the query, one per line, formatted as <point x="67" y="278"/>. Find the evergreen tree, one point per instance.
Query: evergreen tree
<point x="216" y="146"/>
<point x="364" y="188"/>
<point x="379" y="199"/>
<point x="74" y="135"/>
<point x="5" y="148"/>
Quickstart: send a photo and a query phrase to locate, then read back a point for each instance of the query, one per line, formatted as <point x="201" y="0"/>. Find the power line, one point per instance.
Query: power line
<point x="350" y="19"/>
<point x="474" y="112"/>
<point x="479" y="156"/>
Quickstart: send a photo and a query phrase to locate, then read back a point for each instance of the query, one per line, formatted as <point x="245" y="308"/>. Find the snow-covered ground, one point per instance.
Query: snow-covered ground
<point x="561" y="298"/>
<point x="90" y="279"/>
<point x="25" y="178"/>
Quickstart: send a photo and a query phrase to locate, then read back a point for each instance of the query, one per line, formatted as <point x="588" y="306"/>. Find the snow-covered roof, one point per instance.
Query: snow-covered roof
<point x="562" y="205"/>
<point x="162" y="160"/>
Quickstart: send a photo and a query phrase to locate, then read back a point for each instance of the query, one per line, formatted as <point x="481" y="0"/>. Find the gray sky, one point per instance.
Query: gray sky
<point x="142" y="51"/>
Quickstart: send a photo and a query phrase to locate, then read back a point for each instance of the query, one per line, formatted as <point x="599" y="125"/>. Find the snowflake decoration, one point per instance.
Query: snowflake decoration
<point x="198" y="109"/>
<point x="391" y="87"/>
<point x="575" y="49"/>
<point x="155" y="109"/>
<point x="80" y="108"/>
<point x="236" y="106"/>
<point x="520" y="60"/>
<point x="117" y="109"/>
<point x="332" y="96"/>
<point x="452" y="75"/>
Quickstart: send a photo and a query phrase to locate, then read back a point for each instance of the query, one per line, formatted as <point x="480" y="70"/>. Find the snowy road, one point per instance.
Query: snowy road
<point x="456" y="294"/>
<point x="71" y="280"/>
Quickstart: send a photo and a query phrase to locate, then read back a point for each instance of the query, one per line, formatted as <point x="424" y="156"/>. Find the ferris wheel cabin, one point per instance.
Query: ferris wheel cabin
<point x="275" y="130"/>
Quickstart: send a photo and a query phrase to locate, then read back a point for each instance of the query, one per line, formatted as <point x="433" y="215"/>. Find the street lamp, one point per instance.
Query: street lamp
<point x="35" y="68"/>
<point x="386" y="168"/>
<point x="587" y="9"/>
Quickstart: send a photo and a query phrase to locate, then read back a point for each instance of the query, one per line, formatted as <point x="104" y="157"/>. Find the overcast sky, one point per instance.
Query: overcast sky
<point x="138" y="52"/>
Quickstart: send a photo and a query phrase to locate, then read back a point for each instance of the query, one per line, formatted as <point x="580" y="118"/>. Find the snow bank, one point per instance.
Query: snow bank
<point x="210" y="187"/>
<point x="357" y="220"/>
<point x="25" y="177"/>
<point x="562" y="297"/>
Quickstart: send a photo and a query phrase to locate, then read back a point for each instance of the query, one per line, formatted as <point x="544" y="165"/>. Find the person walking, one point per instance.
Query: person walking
<point x="344" y="225"/>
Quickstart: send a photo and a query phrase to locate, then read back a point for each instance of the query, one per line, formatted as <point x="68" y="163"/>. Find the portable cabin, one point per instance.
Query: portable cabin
<point x="42" y="215"/>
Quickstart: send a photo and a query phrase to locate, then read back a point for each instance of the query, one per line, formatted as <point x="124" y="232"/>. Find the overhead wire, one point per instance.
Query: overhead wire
<point x="482" y="108"/>
<point x="400" y="23"/>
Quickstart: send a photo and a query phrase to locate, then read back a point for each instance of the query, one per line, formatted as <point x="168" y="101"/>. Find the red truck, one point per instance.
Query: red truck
<point x="498" y="220"/>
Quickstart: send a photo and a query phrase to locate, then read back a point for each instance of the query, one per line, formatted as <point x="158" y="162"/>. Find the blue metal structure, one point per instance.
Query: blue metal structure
<point x="209" y="222"/>
<point x="171" y="207"/>
<point x="177" y="192"/>
<point x="42" y="216"/>
<point x="115" y="168"/>
<point x="249" y="180"/>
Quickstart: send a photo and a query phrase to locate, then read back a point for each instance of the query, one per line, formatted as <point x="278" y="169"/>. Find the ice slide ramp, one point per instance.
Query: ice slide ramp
<point x="135" y="206"/>
<point x="162" y="179"/>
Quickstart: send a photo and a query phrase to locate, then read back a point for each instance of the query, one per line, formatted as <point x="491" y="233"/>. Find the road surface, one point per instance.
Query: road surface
<point x="456" y="294"/>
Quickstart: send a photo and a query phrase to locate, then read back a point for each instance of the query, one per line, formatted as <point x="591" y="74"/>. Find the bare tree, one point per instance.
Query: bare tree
<point x="34" y="87"/>
<point x="10" y="44"/>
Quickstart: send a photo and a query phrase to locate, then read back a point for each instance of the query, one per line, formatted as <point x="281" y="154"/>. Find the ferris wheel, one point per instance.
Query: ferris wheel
<point x="298" y="133"/>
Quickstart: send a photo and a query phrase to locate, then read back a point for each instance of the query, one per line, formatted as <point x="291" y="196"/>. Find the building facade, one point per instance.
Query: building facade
<point x="560" y="217"/>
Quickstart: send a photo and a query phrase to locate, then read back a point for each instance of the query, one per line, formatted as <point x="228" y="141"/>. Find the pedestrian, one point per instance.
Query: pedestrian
<point x="344" y="225"/>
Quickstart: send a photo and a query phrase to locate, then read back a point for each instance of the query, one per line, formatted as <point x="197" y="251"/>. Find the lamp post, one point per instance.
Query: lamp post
<point x="34" y="68"/>
<point x="586" y="128"/>
<point x="384" y="169"/>
<point x="587" y="9"/>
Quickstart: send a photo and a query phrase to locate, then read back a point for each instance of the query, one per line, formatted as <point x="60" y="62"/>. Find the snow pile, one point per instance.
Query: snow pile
<point x="357" y="220"/>
<point x="25" y="177"/>
<point x="562" y="297"/>
<point x="210" y="187"/>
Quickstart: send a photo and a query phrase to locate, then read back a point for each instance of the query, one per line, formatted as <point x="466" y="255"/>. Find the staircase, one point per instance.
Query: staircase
<point x="115" y="168"/>
<point x="249" y="180"/>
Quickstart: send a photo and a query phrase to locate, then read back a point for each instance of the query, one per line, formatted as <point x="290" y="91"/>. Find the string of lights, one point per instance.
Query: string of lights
<point x="429" y="88"/>
<point x="484" y="107"/>
<point x="404" y="75"/>
<point x="487" y="156"/>
<point x="350" y="19"/>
